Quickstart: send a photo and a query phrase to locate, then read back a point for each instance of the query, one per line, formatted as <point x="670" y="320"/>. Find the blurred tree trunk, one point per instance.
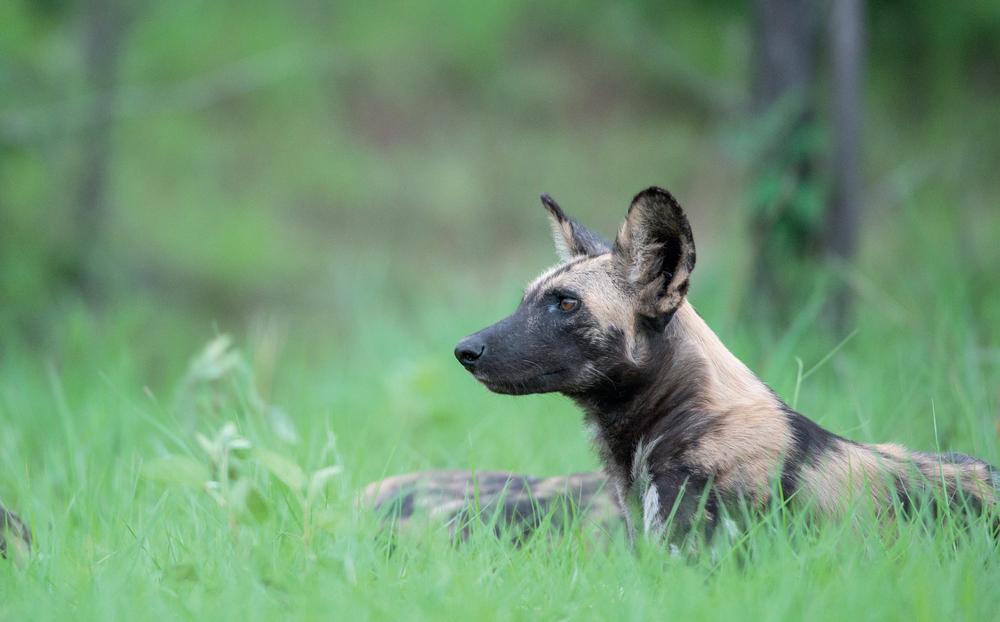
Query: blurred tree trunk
<point x="783" y="74"/>
<point x="843" y="213"/>
<point x="796" y="221"/>
<point x="104" y="26"/>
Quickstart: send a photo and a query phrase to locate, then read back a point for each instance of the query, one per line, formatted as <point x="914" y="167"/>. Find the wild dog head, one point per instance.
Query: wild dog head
<point x="594" y="318"/>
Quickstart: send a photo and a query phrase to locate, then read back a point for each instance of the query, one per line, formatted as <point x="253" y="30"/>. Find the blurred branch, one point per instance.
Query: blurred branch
<point x="236" y="79"/>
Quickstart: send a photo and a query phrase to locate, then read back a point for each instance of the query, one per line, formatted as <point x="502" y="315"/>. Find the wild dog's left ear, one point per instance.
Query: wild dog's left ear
<point x="572" y="239"/>
<point x="656" y="251"/>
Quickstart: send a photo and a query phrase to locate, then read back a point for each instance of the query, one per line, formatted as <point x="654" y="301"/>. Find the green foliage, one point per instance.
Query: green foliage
<point x="222" y="382"/>
<point x="254" y="146"/>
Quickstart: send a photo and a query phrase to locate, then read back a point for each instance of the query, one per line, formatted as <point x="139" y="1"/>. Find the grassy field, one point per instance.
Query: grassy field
<point x="101" y="453"/>
<point x="308" y="204"/>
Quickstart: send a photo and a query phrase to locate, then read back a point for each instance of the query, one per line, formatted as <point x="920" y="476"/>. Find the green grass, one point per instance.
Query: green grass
<point x="90" y="412"/>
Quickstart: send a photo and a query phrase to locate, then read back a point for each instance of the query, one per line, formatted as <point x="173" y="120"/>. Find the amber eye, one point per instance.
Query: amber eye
<point x="568" y="304"/>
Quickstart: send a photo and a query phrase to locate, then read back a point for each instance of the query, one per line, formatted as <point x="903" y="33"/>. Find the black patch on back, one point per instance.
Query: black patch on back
<point x="809" y="443"/>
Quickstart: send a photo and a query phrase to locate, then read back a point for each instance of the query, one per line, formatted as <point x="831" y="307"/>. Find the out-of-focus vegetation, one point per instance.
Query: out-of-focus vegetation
<point x="347" y="189"/>
<point x="259" y="152"/>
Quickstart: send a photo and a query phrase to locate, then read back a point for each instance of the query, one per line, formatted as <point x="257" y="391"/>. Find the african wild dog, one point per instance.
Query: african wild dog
<point x="683" y="428"/>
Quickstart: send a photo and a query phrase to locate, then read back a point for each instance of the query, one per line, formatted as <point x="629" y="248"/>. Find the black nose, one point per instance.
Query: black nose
<point x="469" y="350"/>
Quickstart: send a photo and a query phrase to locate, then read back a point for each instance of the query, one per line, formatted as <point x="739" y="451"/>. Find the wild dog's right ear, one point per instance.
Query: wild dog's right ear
<point x="656" y="251"/>
<point x="572" y="239"/>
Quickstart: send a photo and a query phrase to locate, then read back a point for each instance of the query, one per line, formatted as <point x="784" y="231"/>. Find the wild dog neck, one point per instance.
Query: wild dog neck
<point x="687" y="383"/>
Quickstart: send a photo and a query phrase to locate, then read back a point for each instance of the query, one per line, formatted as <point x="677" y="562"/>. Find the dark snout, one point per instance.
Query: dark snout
<point x="487" y="348"/>
<point x="513" y="356"/>
<point x="470" y="350"/>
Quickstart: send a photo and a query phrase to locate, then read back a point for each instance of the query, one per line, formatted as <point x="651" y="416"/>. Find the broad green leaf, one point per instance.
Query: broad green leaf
<point x="282" y="468"/>
<point x="246" y="499"/>
<point x="256" y="505"/>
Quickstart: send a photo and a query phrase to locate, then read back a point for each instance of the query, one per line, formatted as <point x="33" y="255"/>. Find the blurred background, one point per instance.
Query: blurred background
<point x="226" y="158"/>
<point x="358" y="182"/>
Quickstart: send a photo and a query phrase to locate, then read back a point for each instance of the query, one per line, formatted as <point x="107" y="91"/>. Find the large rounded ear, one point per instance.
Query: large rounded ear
<point x="655" y="250"/>
<point x="572" y="239"/>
